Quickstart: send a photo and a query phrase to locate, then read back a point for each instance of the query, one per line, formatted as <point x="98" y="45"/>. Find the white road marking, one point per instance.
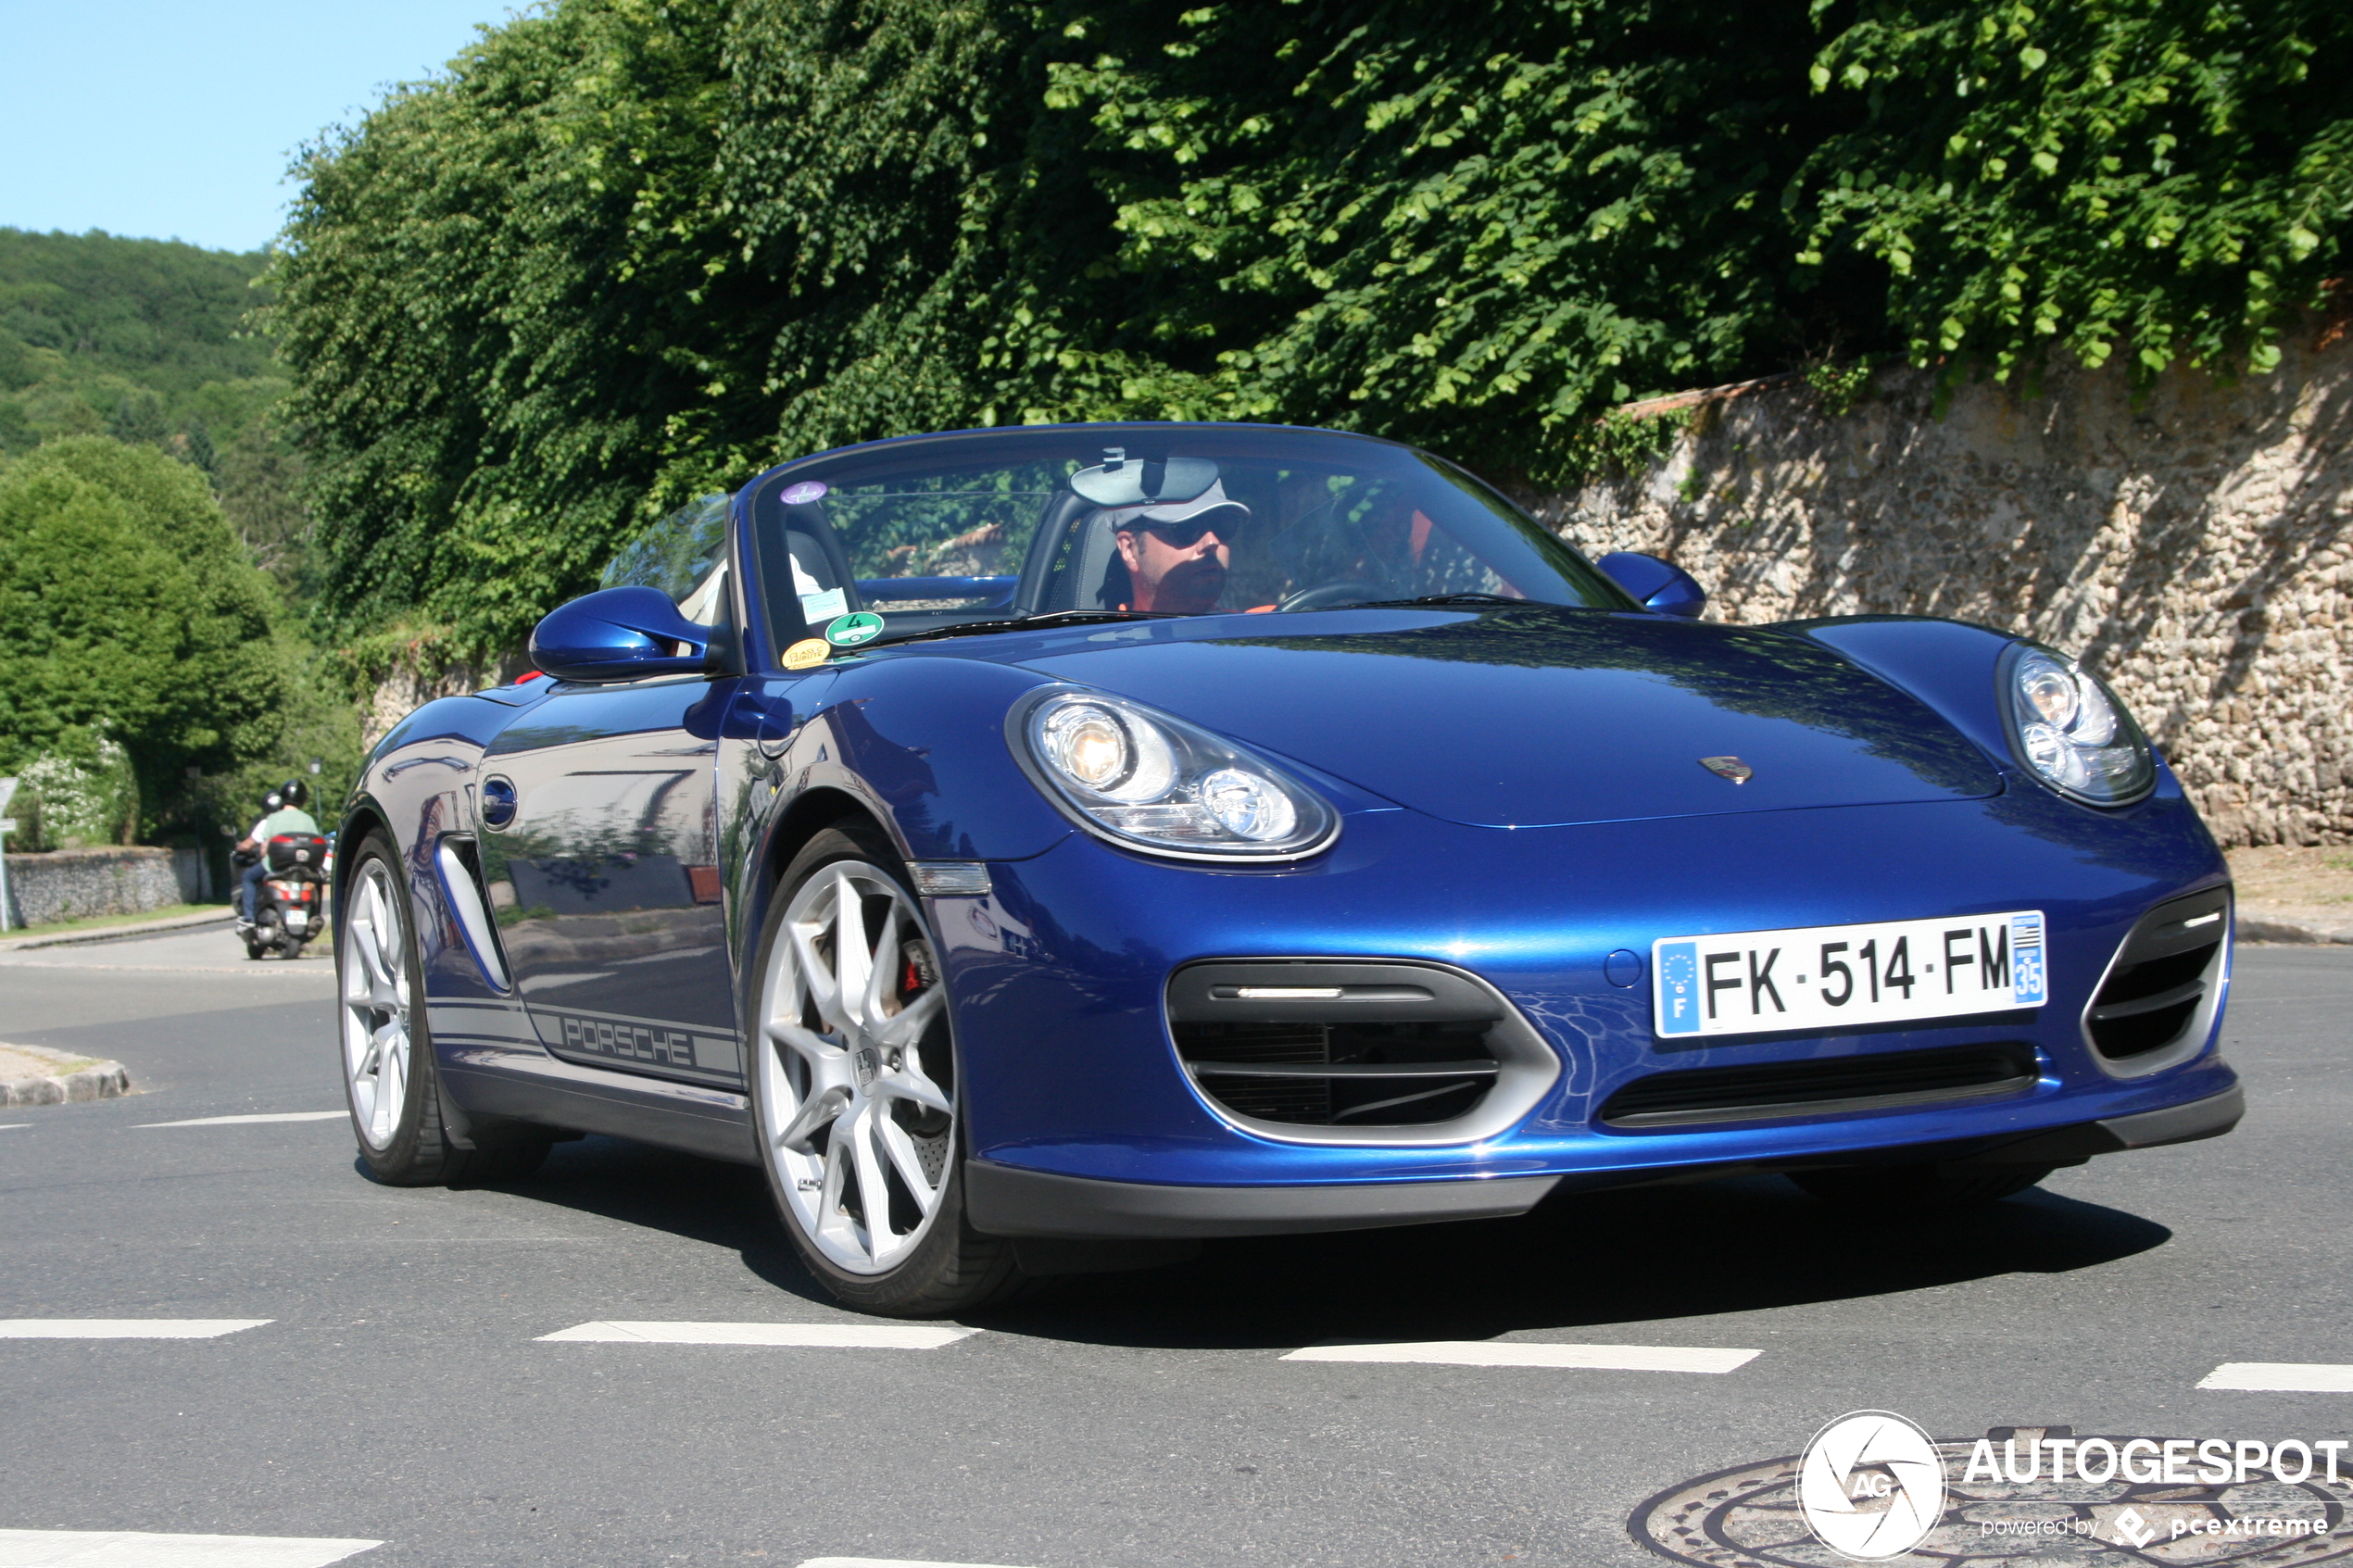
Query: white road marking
<point x="127" y="1549"/>
<point x="889" y="1563"/>
<point x="1490" y="1352"/>
<point x="2282" y="1377"/>
<point x="12" y="1126"/>
<point x="122" y="1328"/>
<point x="855" y="1335"/>
<point x="242" y="1121"/>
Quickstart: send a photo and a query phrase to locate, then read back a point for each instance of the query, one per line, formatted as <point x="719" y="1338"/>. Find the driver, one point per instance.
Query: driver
<point x="1177" y="553"/>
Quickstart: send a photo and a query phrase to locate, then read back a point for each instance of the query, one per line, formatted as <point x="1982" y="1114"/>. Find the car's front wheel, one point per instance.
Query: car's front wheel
<point x="390" y="1083"/>
<point x="853" y="1077"/>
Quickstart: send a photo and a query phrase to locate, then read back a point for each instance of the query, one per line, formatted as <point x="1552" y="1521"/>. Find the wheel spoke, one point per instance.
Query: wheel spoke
<point x="814" y="1113"/>
<point x="910" y="1083"/>
<point x="853" y="961"/>
<point x="873" y="1192"/>
<point x="815" y="973"/>
<point x="882" y="972"/>
<point x="829" y="1214"/>
<point x="912" y="1020"/>
<point x="392" y="1078"/>
<point x="812" y="1048"/>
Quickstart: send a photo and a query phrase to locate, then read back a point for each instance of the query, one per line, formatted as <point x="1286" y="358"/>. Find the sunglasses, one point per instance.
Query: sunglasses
<point x="1184" y="535"/>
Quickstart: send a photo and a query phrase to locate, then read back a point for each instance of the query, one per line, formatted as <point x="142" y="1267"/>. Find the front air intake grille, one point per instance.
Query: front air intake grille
<point x="1885" y="1081"/>
<point x="2160" y="986"/>
<point x="1339" y="1074"/>
<point x="1357" y="1052"/>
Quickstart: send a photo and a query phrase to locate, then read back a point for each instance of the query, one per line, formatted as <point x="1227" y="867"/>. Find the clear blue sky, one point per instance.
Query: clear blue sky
<point x="174" y="119"/>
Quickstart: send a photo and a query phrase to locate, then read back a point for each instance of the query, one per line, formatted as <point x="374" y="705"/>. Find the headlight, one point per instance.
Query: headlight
<point x="2069" y="729"/>
<point x="1144" y="779"/>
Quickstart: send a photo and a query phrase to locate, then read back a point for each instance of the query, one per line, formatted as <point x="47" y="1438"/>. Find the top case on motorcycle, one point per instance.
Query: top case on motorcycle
<point x="289" y="850"/>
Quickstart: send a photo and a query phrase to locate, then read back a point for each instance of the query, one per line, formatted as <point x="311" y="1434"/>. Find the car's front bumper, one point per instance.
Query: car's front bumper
<point x="1007" y="1201"/>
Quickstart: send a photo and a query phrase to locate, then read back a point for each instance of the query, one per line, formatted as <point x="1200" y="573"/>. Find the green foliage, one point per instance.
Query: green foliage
<point x="624" y="251"/>
<point x="150" y="342"/>
<point x="2169" y="179"/>
<point x="130" y="610"/>
<point x="1839" y="386"/>
<point x="84" y="793"/>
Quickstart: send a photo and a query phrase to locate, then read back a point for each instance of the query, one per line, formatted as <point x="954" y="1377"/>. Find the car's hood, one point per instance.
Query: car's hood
<point x="1528" y="717"/>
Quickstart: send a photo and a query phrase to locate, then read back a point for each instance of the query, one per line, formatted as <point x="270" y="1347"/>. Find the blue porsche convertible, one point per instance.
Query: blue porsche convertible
<point x="1040" y="849"/>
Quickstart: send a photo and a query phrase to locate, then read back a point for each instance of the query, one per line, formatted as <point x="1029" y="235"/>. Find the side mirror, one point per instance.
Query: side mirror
<point x="1660" y="586"/>
<point x="620" y="635"/>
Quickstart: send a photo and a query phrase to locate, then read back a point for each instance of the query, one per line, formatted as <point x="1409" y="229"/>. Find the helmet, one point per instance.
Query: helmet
<point x="271" y="802"/>
<point x="294" y="792"/>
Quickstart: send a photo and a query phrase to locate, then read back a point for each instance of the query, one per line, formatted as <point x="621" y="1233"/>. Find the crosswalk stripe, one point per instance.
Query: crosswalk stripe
<point x="122" y="1328"/>
<point x="2281" y="1377"/>
<point x="853" y="1337"/>
<point x="889" y="1563"/>
<point x="127" y="1549"/>
<point x="1490" y="1352"/>
<point x="242" y="1121"/>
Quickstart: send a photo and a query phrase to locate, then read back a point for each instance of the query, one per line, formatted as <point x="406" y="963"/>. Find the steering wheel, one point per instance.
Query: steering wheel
<point x="1329" y="595"/>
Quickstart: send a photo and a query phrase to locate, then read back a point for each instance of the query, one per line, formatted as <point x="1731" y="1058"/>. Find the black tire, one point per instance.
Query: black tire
<point x="255" y="949"/>
<point x="952" y="1268"/>
<point x="1927" y="1187"/>
<point x="418" y="1150"/>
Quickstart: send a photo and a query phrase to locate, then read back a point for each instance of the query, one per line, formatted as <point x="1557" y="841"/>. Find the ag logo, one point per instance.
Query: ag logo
<point x="1871" y="1485"/>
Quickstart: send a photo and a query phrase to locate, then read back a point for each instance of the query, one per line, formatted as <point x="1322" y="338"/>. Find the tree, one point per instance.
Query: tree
<point x="130" y="610"/>
<point x="626" y="252"/>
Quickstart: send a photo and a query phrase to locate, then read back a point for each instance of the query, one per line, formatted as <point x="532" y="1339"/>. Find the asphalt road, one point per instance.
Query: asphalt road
<point x="401" y="1391"/>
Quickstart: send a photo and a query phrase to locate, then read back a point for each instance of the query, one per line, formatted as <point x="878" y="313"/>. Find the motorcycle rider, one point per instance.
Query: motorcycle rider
<point x="281" y="812"/>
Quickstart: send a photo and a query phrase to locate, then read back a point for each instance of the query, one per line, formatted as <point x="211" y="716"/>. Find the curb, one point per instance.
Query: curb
<point x="100" y="1080"/>
<point x="114" y="933"/>
<point x="2256" y="926"/>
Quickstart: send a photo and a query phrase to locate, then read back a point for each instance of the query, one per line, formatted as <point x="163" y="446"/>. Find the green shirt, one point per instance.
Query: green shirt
<point x="285" y="818"/>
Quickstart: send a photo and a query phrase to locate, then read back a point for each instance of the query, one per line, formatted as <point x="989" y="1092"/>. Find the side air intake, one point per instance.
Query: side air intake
<point x="2158" y="1000"/>
<point x="1342" y="1051"/>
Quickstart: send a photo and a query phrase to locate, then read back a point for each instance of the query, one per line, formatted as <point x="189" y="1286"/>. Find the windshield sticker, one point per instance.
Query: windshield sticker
<point x="808" y="490"/>
<point x="807" y="654"/>
<point x="818" y="609"/>
<point x="849" y="630"/>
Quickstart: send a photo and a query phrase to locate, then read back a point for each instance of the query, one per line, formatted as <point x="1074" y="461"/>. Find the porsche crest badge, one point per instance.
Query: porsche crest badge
<point x="1731" y="768"/>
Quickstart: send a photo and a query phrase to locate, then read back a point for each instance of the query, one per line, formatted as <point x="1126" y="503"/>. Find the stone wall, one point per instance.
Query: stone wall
<point x="2193" y="545"/>
<point x="72" y="884"/>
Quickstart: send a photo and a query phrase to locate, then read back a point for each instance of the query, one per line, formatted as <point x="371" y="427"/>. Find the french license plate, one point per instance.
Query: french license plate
<point x="1827" y="977"/>
<point x="296" y="920"/>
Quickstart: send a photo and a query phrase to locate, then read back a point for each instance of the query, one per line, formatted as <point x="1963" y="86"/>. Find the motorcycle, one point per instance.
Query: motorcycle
<point x="290" y="903"/>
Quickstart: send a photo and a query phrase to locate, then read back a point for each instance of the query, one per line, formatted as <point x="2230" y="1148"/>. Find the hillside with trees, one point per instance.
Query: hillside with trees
<point x="620" y="255"/>
<point x="155" y="668"/>
<point x="153" y="343"/>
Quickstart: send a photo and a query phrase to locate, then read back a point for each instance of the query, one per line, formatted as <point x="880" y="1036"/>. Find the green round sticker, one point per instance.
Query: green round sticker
<point x="849" y="631"/>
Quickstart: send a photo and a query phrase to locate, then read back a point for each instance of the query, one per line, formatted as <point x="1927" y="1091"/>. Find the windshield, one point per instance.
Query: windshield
<point x="967" y="534"/>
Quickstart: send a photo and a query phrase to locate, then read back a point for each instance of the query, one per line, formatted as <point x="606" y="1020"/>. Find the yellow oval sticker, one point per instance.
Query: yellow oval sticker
<point x="808" y="653"/>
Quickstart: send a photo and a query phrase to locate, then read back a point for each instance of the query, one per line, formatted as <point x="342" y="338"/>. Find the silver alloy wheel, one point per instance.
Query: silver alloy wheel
<point x="373" y="957"/>
<point x="853" y="1121"/>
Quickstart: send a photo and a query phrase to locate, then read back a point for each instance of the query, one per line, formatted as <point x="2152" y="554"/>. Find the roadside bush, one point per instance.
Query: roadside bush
<point x="82" y="795"/>
<point x="130" y="610"/>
